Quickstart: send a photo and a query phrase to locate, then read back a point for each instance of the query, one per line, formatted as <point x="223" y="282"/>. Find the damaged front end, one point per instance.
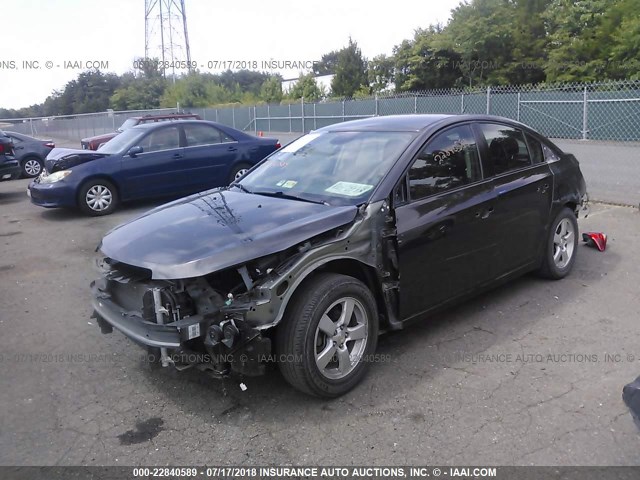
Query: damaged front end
<point x="217" y="308"/>
<point x="199" y="321"/>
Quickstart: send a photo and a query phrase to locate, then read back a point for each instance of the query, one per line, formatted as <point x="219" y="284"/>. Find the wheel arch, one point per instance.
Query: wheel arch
<point x="29" y="156"/>
<point x="352" y="268"/>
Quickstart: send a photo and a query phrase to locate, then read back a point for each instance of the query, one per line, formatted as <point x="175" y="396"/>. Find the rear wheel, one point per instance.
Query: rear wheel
<point x="562" y="244"/>
<point x="98" y="197"/>
<point x="329" y="332"/>
<point x="238" y="171"/>
<point x="31" y="167"/>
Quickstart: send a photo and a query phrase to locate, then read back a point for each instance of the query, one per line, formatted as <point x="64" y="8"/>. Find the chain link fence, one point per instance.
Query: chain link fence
<point x="589" y="111"/>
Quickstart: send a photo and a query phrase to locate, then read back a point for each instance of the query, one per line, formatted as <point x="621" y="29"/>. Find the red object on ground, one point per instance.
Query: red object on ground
<point x="595" y="239"/>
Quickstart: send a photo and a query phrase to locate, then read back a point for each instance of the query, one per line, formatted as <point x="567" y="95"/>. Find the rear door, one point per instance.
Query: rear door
<point x="445" y="229"/>
<point x="208" y="155"/>
<point x="157" y="170"/>
<point x="523" y="185"/>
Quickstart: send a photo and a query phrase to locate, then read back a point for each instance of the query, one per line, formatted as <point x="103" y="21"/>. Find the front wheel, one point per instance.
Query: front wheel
<point x="562" y="244"/>
<point x="328" y="335"/>
<point x="98" y="197"/>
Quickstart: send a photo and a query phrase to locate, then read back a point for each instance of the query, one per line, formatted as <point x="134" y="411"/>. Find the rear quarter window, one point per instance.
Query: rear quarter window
<point x="549" y="154"/>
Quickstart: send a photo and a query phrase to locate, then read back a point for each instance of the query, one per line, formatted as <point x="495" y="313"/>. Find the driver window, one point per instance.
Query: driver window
<point x="162" y="139"/>
<point x="448" y="161"/>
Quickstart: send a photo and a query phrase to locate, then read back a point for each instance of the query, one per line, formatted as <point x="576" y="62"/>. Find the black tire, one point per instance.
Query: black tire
<point x="298" y="334"/>
<point x="236" y="170"/>
<point x="550" y="267"/>
<point x="31" y="167"/>
<point x="96" y="186"/>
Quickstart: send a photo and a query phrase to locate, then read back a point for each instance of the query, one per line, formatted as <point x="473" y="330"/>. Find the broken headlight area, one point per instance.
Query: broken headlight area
<point x="199" y="321"/>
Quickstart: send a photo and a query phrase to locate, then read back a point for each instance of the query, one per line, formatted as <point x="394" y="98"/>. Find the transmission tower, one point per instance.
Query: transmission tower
<point x="165" y="34"/>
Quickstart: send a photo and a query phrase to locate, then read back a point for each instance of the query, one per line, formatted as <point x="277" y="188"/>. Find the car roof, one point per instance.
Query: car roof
<point x="404" y="123"/>
<point x="150" y="125"/>
<point x="168" y="115"/>
<point x="411" y="123"/>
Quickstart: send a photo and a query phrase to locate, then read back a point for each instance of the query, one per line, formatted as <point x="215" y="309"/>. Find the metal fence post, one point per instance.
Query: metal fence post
<point x="488" y="100"/>
<point x="255" y="120"/>
<point x="290" y="126"/>
<point x="343" y="117"/>
<point x="377" y="107"/>
<point x="518" y="111"/>
<point x="585" y="118"/>
<point x="216" y="114"/>
<point x="302" y="116"/>
<point x="415" y="104"/>
<point x="269" y="117"/>
<point x="233" y="116"/>
<point x="315" y="126"/>
<point x="462" y="103"/>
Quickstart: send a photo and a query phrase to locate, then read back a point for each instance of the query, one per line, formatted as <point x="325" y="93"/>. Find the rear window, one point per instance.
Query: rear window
<point x="507" y="149"/>
<point x="535" y="149"/>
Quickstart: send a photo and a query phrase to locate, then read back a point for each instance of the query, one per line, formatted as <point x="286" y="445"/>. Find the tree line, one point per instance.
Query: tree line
<point x="485" y="42"/>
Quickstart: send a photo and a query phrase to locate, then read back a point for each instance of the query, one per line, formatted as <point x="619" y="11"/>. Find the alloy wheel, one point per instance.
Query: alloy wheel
<point x="563" y="243"/>
<point x="341" y="338"/>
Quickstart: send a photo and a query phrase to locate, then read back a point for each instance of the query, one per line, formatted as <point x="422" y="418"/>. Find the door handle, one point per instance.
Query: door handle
<point x="232" y="149"/>
<point x="177" y="156"/>
<point x="484" y="214"/>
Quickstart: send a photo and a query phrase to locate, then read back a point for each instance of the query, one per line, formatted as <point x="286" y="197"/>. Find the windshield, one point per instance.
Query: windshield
<point x="121" y="142"/>
<point x="339" y="168"/>
<point x="131" y="122"/>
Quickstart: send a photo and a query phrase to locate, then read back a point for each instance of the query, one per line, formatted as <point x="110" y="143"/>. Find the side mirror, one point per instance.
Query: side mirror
<point x="133" y="151"/>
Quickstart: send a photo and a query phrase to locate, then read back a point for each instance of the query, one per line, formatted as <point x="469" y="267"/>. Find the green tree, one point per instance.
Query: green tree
<point x="580" y="38"/>
<point x="381" y="72"/>
<point x="327" y="64"/>
<point x="426" y="62"/>
<point x="626" y="42"/>
<point x="351" y="71"/>
<point x="306" y="87"/>
<point x="271" y="91"/>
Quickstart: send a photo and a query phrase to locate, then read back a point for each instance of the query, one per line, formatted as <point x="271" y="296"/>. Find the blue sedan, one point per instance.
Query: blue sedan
<point x="148" y="161"/>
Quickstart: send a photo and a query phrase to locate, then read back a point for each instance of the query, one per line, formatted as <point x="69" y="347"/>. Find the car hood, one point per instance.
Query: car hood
<point x="63" y="158"/>
<point x="218" y="229"/>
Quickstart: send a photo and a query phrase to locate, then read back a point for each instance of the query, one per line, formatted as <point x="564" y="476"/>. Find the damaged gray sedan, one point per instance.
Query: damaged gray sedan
<point x="351" y="230"/>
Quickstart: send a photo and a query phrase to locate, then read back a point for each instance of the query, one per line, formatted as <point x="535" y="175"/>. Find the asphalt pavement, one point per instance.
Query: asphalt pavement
<point x="528" y="374"/>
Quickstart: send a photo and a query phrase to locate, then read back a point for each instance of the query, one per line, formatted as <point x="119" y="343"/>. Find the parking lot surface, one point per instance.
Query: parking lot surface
<point x="530" y="373"/>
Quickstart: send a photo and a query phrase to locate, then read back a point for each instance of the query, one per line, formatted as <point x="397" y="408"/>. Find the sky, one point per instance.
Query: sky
<point x="52" y="42"/>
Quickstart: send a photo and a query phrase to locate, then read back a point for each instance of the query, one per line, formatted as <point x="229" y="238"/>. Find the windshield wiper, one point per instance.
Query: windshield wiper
<point x="241" y="187"/>
<point x="281" y="194"/>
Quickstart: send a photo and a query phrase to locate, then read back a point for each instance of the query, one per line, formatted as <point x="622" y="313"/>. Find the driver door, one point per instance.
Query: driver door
<point x="446" y="242"/>
<point x="157" y="170"/>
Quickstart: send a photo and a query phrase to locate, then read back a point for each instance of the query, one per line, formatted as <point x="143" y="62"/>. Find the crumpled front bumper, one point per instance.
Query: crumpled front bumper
<point x="134" y="327"/>
<point x="244" y="355"/>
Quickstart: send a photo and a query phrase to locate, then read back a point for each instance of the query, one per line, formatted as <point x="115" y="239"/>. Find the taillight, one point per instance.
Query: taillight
<point x="278" y="145"/>
<point x="50" y="145"/>
<point x="2" y="148"/>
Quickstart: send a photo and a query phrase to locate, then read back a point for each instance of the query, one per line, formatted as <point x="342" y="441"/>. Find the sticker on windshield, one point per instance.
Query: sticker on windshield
<point x="349" y="189"/>
<point x="286" y="183"/>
